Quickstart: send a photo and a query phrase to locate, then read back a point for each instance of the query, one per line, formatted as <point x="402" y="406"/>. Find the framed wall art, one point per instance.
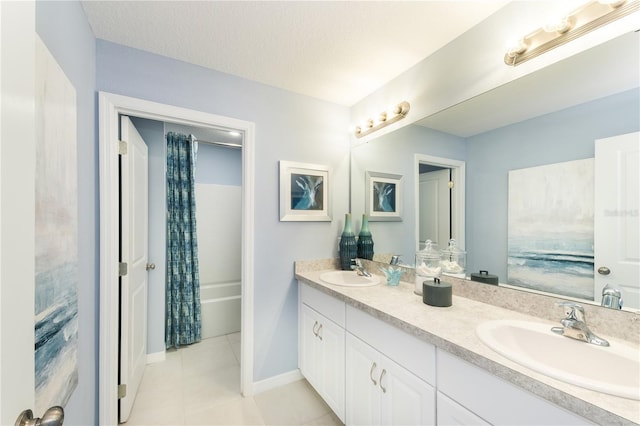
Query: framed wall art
<point x="383" y="196"/>
<point x="550" y="228"/>
<point x="304" y="192"/>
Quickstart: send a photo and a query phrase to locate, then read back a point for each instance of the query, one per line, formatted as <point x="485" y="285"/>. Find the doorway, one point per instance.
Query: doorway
<point x="450" y="215"/>
<point x="111" y="106"/>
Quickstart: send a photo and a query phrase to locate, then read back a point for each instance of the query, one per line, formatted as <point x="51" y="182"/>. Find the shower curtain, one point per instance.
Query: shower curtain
<point x="183" y="322"/>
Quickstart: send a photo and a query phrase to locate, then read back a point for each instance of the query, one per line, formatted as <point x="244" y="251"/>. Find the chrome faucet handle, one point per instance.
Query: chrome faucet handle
<point x="574" y="325"/>
<point x="573" y="311"/>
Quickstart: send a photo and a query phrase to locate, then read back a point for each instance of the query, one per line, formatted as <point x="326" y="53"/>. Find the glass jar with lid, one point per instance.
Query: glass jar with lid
<point x="453" y="260"/>
<point x="427" y="265"/>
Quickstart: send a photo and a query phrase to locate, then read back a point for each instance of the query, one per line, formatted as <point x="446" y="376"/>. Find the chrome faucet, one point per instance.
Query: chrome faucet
<point x="356" y="265"/>
<point x="611" y="297"/>
<point x="574" y="325"/>
<point x="395" y="259"/>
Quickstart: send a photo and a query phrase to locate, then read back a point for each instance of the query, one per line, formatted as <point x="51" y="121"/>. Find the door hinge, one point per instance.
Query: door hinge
<point x="450" y="184"/>
<point x="122" y="391"/>
<point x="122" y="148"/>
<point x="122" y="269"/>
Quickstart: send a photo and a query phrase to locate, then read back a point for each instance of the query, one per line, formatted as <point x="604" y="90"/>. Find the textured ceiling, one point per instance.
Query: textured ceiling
<point x="338" y="51"/>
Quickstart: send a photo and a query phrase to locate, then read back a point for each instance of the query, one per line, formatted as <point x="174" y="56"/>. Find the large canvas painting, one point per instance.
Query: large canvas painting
<point x="56" y="235"/>
<point x="550" y="228"/>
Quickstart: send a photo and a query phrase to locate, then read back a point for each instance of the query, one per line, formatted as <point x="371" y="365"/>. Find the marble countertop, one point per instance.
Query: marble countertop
<point x="453" y="330"/>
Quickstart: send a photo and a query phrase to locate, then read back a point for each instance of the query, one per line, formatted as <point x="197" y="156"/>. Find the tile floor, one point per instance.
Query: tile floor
<point x="200" y="385"/>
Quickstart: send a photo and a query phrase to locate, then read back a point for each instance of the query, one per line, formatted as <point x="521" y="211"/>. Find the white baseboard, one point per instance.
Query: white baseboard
<point x="276" y="381"/>
<point x="156" y="357"/>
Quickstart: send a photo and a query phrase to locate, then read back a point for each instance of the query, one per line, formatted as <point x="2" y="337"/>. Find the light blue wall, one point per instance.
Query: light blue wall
<point x="65" y="31"/>
<point x="219" y="165"/>
<point x="394" y="153"/>
<point x="288" y="127"/>
<point x="562" y="136"/>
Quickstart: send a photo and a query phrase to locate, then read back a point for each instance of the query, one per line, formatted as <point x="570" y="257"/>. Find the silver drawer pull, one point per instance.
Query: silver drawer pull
<point x="384" y="390"/>
<point x="319" y="332"/>
<point x="373" y="367"/>
<point x="315" y="332"/>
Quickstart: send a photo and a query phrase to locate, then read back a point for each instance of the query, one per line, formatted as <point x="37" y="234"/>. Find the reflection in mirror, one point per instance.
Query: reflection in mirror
<point x="552" y="116"/>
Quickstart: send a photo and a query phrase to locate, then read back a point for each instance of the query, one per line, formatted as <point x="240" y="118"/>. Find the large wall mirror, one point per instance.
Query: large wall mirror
<point x="552" y="116"/>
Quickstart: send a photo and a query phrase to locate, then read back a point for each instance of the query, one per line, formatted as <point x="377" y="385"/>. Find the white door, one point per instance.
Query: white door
<point x="363" y="371"/>
<point x="617" y="217"/>
<point x="332" y="363"/>
<point x="134" y="252"/>
<point x="435" y="207"/>
<point x="17" y="209"/>
<point x="309" y="356"/>
<point x="406" y="399"/>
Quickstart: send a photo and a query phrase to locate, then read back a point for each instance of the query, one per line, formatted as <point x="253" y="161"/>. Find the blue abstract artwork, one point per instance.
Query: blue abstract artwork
<point x="56" y="236"/>
<point x="384" y="197"/>
<point x="306" y="192"/>
<point x="550" y="228"/>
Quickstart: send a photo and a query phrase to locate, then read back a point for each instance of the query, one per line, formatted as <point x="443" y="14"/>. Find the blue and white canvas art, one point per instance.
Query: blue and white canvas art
<point x="550" y="228"/>
<point x="306" y="192"/>
<point x="56" y="235"/>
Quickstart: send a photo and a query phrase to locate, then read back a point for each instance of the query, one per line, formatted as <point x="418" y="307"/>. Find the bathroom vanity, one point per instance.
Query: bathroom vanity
<point x="379" y="355"/>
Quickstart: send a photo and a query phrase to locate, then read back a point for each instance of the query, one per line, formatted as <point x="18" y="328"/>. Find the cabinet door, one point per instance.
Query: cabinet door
<point x="406" y="399"/>
<point x="309" y="352"/>
<point x="331" y="338"/>
<point x="454" y="414"/>
<point x="362" y="373"/>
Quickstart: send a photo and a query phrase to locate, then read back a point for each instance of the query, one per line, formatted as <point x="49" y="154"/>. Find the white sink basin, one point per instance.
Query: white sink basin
<point x="349" y="279"/>
<point x="614" y="370"/>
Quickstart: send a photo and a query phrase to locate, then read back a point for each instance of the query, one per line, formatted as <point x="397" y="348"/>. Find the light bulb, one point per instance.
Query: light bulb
<point x="560" y="26"/>
<point x="612" y="3"/>
<point x="517" y="48"/>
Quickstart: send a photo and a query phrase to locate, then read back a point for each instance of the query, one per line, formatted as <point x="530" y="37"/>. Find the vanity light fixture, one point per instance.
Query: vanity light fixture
<point x="385" y="118"/>
<point x="581" y="21"/>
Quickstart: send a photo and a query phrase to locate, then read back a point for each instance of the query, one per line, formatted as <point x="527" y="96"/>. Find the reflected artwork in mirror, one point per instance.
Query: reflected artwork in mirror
<point x="491" y="140"/>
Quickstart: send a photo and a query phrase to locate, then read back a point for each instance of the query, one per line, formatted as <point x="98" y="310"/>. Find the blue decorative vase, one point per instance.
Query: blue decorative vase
<point x="365" y="241"/>
<point x="348" y="247"/>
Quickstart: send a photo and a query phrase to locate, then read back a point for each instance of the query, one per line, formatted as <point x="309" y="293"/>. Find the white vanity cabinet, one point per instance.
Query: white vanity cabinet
<point x="322" y="339"/>
<point x="390" y="374"/>
<point x="471" y="395"/>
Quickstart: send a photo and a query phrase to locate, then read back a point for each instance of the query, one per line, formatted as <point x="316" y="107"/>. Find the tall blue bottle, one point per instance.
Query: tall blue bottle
<point x="365" y="240"/>
<point x="348" y="248"/>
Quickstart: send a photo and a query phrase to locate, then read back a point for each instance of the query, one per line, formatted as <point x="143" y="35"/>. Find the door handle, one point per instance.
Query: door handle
<point x="384" y="371"/>
<point x="373" y="367"/>
<point x="151" y="266"/>
<point x="54" y="416"/>
<point x="603" y="270"/>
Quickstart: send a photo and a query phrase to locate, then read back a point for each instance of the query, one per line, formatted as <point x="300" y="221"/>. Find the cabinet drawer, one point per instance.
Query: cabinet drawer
<point x="495" y="400"/>
<point x="415" y="355"/>
<point x="452" y="413"/>
<point x="328" y="306"/>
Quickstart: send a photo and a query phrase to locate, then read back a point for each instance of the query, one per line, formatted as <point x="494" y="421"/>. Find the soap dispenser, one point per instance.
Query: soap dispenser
<point x="427" y="265"/>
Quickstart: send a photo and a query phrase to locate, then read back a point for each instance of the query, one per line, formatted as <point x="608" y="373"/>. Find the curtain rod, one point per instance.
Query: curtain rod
<point x="225" y="144"/>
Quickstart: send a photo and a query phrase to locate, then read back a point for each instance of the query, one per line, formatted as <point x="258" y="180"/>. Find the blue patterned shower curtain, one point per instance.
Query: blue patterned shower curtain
<point x="183" y="322"/>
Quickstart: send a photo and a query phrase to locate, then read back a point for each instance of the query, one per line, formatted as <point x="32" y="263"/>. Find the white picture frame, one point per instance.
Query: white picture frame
<point x="305" y="192"/>
<point x="383" y="196"/>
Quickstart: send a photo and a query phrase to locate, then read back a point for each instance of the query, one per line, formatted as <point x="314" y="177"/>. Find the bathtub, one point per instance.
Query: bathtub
<point x="220" y="308"/>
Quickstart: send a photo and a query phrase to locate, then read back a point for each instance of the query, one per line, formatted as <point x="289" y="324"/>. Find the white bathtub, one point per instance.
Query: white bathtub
<point x="220" y="310"/>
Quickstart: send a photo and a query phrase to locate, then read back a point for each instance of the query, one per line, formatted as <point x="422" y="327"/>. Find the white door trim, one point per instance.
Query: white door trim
<point x="457" y="200"/>
<point x="110" y="106"/>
